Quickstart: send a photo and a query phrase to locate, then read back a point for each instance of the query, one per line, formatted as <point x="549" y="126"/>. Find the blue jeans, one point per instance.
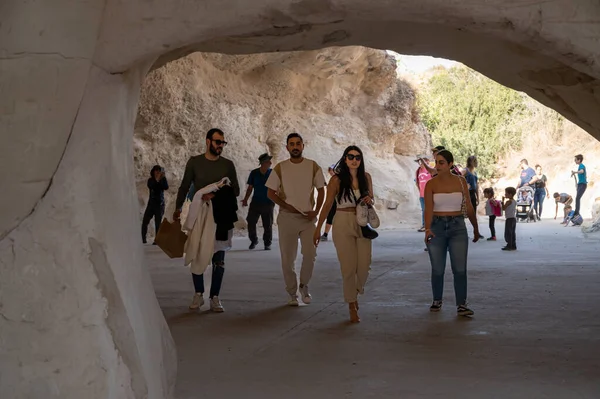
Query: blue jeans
<point x="538" y="201"/>
<point x="218" y="261"/>
<point x="450" y="236"/>
<point x="422" y="201"/>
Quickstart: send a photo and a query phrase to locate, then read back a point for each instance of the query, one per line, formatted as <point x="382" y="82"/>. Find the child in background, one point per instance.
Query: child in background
<point x="493" y="209"/>
<point x="525" y="197"/>
<point x="577" y="220"/>
<point x="509" y="206"/>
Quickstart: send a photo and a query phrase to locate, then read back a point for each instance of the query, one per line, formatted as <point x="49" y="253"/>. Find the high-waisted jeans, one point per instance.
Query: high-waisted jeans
<point x="538" y="201"/>
<point x="450" y="236"/>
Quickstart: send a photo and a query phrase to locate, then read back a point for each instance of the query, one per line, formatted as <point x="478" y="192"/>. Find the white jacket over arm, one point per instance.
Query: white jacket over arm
<point x="201" y="227"/>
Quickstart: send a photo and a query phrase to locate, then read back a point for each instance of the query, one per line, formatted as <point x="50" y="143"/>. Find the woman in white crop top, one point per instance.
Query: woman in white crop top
<point x="350" y="185"/>
<point x="446" y="201"/>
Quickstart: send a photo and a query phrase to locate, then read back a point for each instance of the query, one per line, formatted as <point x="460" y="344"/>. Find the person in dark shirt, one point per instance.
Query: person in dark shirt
<point x="202" y="170"/>
<point x="157" y="184"/>
<point x="260" y="206"/>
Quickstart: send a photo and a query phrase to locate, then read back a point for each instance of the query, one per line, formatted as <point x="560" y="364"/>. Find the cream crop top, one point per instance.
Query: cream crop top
<point x="447" y="202"/>
<point x="345" y="203"/>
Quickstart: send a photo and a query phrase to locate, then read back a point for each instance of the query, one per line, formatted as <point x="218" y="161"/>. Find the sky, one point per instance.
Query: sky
<point x="420" y="63"/>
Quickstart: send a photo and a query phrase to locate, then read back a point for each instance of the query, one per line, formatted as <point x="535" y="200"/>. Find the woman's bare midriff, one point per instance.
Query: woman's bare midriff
<point x="353" y="210"/>
<point x="459" y="213"/>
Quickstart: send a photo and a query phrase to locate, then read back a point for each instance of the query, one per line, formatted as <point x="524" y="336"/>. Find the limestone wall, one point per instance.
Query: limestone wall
<point x="78" y="318"/>
<point x="334" y="97"/>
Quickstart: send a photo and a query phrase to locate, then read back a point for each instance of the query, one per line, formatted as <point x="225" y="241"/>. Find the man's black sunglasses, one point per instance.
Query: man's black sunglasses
<point x="219" y="142"/>
<point x="352" y="157"/>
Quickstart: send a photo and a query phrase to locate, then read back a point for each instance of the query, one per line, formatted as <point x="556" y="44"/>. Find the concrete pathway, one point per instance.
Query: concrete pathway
<point x="535" y="333"/>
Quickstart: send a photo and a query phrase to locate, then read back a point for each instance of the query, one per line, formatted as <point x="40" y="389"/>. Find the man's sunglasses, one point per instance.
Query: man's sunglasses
<point x="219" y="142"/>
<point x="352" y="157"/>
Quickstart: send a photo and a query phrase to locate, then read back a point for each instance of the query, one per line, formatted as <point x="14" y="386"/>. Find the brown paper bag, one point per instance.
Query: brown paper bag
<point x="170" y="238"/>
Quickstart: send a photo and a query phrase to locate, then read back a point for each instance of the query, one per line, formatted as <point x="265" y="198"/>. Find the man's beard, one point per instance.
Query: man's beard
<point x="296" y="154"/>
<point x="215" y="151"/>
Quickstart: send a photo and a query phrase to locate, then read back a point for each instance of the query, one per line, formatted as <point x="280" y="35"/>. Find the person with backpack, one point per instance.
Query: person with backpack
<point x="291" y="186"/>
<point x="493" y="209"/>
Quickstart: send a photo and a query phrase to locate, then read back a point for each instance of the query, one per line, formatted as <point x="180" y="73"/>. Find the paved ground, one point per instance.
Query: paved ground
<point x="535" y="334"/>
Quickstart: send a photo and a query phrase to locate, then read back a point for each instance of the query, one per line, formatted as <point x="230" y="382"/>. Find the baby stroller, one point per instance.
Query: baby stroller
<point x="525" y="204"/>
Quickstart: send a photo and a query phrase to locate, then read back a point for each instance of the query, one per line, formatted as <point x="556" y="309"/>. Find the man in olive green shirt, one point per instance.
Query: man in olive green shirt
<point x="203" y="170"/>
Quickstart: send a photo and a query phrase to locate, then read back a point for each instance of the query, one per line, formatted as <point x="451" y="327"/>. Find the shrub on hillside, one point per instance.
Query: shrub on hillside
<point x="470" y="114"/>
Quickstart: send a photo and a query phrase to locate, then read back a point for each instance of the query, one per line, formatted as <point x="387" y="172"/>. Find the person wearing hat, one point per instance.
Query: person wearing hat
<point x="260" y="206"/>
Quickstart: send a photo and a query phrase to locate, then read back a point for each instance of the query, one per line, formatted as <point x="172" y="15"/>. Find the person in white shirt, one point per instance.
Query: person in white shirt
<point x="291" y="185"/>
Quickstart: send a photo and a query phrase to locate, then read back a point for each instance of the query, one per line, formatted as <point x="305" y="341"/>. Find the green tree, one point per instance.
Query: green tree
<point x="470" y="114"/>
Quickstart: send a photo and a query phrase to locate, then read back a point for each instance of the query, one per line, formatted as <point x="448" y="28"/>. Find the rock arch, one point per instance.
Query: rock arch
<point x="77" y="311"/>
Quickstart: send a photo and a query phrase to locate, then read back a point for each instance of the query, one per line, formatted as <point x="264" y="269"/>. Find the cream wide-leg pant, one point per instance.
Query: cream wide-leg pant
<point x="354" y="254"/>
<point x="292" y="227"/>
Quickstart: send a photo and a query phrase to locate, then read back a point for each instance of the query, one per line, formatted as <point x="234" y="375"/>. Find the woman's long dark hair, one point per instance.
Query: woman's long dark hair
<point x="343" y="173"/>
<point x="155" y="167"/>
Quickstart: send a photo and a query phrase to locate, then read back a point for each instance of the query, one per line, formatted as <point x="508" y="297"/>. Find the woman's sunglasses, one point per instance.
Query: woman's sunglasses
<point x="352" y="157"/>
<point x="219" y="142"/>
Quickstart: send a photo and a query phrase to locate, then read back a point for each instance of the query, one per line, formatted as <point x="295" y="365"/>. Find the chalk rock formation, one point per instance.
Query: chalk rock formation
<point x="78" y="314"/>
<point x="334" y="97"/>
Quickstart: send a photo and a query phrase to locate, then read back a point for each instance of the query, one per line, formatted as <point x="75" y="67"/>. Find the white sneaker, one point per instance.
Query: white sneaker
<point x="197" y="301"/>
<point x="362" y="215"/>
<point x="372" y="217"/>
<point x="293" y="300"/>
<point x="306" y="298"/>
<point x="215" y="305"/>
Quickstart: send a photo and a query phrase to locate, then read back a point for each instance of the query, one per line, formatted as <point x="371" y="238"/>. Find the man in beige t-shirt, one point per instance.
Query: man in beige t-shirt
<point x="291" y="186"/>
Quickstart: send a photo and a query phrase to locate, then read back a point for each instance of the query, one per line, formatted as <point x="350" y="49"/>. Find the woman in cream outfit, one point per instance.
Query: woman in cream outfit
<point x="350" y="185"/>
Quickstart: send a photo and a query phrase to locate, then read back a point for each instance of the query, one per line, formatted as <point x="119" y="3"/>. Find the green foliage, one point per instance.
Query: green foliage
<point x="470" y="114"/>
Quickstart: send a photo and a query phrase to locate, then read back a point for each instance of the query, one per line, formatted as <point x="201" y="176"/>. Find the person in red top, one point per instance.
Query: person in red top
<point x="422" y="177"/>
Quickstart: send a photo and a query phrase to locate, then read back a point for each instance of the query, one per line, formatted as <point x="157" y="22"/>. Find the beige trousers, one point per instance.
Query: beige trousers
<point x="292" y="226"/>
<point x="354" y="254"/>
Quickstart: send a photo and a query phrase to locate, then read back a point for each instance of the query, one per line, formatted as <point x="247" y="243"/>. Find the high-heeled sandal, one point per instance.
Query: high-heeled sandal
<point x="353" y="308"/>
